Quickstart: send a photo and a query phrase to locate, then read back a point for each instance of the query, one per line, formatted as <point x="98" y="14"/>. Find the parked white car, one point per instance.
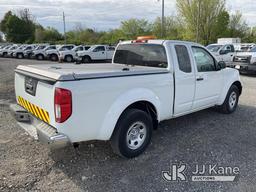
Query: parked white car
<point x="12" y="49"/>
<point x="22" y="51"/>
<point x="40" y="53"/>
<point x="149" y="81"/>
<point x="70" y="55"/>
<point x="96" y="53"/>
<point x="53" y="54"/>
<point x="225" y="52"/>
<point x="4" y="51"/>
<point x="245" y="61"/>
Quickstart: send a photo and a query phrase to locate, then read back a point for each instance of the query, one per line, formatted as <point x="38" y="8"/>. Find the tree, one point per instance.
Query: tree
<point x="172" y="28"/>
<point x="237" y="25"/>
<point x="221" y="26"/>
<point x="18" y="29"/>
<point x="135" y="27"/>
<point x="3" y="27"/>
<point x="200" y="17"/>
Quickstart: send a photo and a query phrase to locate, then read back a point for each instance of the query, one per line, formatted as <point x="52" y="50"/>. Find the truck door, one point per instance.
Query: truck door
<point x="184" y="80"/>
<point x="227" y="53"/>
<point x="208" y="80"/>
<point x="99" y="53"/>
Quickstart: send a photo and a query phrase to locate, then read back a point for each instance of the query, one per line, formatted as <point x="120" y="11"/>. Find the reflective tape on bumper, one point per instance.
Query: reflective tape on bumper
<point x="34" y="110"/>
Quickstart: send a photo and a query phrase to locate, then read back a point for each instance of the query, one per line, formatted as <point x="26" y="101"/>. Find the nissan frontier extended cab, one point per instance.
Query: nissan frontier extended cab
<point x="147" y="82"/>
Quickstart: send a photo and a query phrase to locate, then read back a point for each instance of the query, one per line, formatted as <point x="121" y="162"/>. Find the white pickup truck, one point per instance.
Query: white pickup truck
<point x="70" y="55"/>
<point x="245" y="62"/>
<point x="95" y="53"/>
<point x="147" y="82"/>
<point x="225" y="52"/>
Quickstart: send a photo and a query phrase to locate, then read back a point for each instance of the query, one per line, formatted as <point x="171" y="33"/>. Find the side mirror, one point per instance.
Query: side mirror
<point x="221" y="65"/>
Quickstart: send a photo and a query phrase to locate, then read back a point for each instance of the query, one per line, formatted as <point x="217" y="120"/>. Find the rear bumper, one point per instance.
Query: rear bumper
<point x="45" y="133"/>
<point x="243" y="67"/>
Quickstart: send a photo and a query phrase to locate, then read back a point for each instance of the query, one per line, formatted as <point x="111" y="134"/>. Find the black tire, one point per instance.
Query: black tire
<point x="40" y="57"/>
<point x="54" y="57"/>
<point x="226" y="107"/>
<point x="4" y="54"/>
<point x="119" y="140"/>
<point x="86" y="59"/>
<point x="69" y="58"/>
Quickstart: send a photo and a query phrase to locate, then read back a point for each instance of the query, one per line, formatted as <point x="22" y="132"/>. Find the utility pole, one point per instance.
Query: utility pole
<point x="162" y="25"/>
<point x="64" y="25"/>
<point x="198" y="17"/>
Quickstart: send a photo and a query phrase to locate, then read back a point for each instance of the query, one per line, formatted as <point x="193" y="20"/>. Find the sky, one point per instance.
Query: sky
<point x="107" y="14"/>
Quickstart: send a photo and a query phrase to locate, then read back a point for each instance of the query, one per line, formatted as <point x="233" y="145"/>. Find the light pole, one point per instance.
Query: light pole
<point x="162" y="24"/>
<point x="64" y="25"/>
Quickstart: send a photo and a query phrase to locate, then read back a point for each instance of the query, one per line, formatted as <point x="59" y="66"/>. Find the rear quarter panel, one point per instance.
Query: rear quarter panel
<point x="98" y="103"/>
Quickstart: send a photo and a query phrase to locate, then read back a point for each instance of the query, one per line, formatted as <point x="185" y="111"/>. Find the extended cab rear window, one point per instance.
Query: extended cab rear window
<point x="150" y="55"/>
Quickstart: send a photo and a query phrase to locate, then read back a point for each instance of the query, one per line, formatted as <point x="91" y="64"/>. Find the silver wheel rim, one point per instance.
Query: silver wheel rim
<point x="136" y="135"/>
<point x="232" y="100"/>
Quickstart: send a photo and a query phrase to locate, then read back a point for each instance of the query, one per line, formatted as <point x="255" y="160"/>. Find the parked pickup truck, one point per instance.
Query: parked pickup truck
<point x="147" y="82"/>
<point x="245" y="62"/>
<point x="70" y="55"/>
<point x="23" y="51"/>
<point x="96" y="53"/>
<point x="221" y="52"/>
<point x="40" y="52"/>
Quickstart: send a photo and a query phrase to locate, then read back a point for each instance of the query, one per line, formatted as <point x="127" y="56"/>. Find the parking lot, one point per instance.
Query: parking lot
<point x="202" y="138"/>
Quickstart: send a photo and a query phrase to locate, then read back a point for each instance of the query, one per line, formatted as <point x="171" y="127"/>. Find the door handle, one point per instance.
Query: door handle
<point x="200" y="79"/>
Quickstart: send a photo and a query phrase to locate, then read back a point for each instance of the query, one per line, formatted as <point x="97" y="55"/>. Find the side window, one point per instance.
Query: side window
<point x="111" y="48"/>
<point x="204" y="61"/>
<point x="227" y="48"/>
<point x="99" y="48"/>
<point x="183" y="58"/>
<point x="79" y="49"/>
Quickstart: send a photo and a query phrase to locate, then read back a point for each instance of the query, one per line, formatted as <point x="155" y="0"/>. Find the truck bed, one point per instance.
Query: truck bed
<point x="69" y="72"/>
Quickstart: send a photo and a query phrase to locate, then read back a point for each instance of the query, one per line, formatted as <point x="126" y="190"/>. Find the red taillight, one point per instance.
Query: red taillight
<point x="62" y="104"/>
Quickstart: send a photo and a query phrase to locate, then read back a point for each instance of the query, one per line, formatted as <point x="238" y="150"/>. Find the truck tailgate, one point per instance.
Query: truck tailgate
<point x="36" y="96"/>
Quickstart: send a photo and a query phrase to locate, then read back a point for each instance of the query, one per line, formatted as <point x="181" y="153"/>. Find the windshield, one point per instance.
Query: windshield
<point x="214" y="48"/>
<point x="40" y="47"/>
<point x="50" y="48"/>
<point x="150" y="55"/>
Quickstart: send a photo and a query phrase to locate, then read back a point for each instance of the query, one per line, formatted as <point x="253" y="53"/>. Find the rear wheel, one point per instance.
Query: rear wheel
<point x="40" y="57"/>
<point x="54" y="57"/>
<point x="5" y="54"/>
<point x="132" y="133"/>
<point x="86" y="59"/>
<point x="69" y="58"/>
<point x="231" y="101"/>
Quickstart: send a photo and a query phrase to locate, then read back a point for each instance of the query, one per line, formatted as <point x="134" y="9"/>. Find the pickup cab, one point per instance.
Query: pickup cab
<point x="39" y="52"/>
<point x="148" y="81"/>
<point x="221" y="52"/>
<point x="53" y="54"/>
<point x="70" y="55"/>
<point x="22" y="52"/>
<point x="4" y="50"/>
<point x="96" y="53"/>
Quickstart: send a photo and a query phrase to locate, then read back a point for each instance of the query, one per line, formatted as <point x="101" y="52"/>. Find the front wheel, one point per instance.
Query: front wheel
<point x="231" y="101"/>
<point x="132" y="133"/>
